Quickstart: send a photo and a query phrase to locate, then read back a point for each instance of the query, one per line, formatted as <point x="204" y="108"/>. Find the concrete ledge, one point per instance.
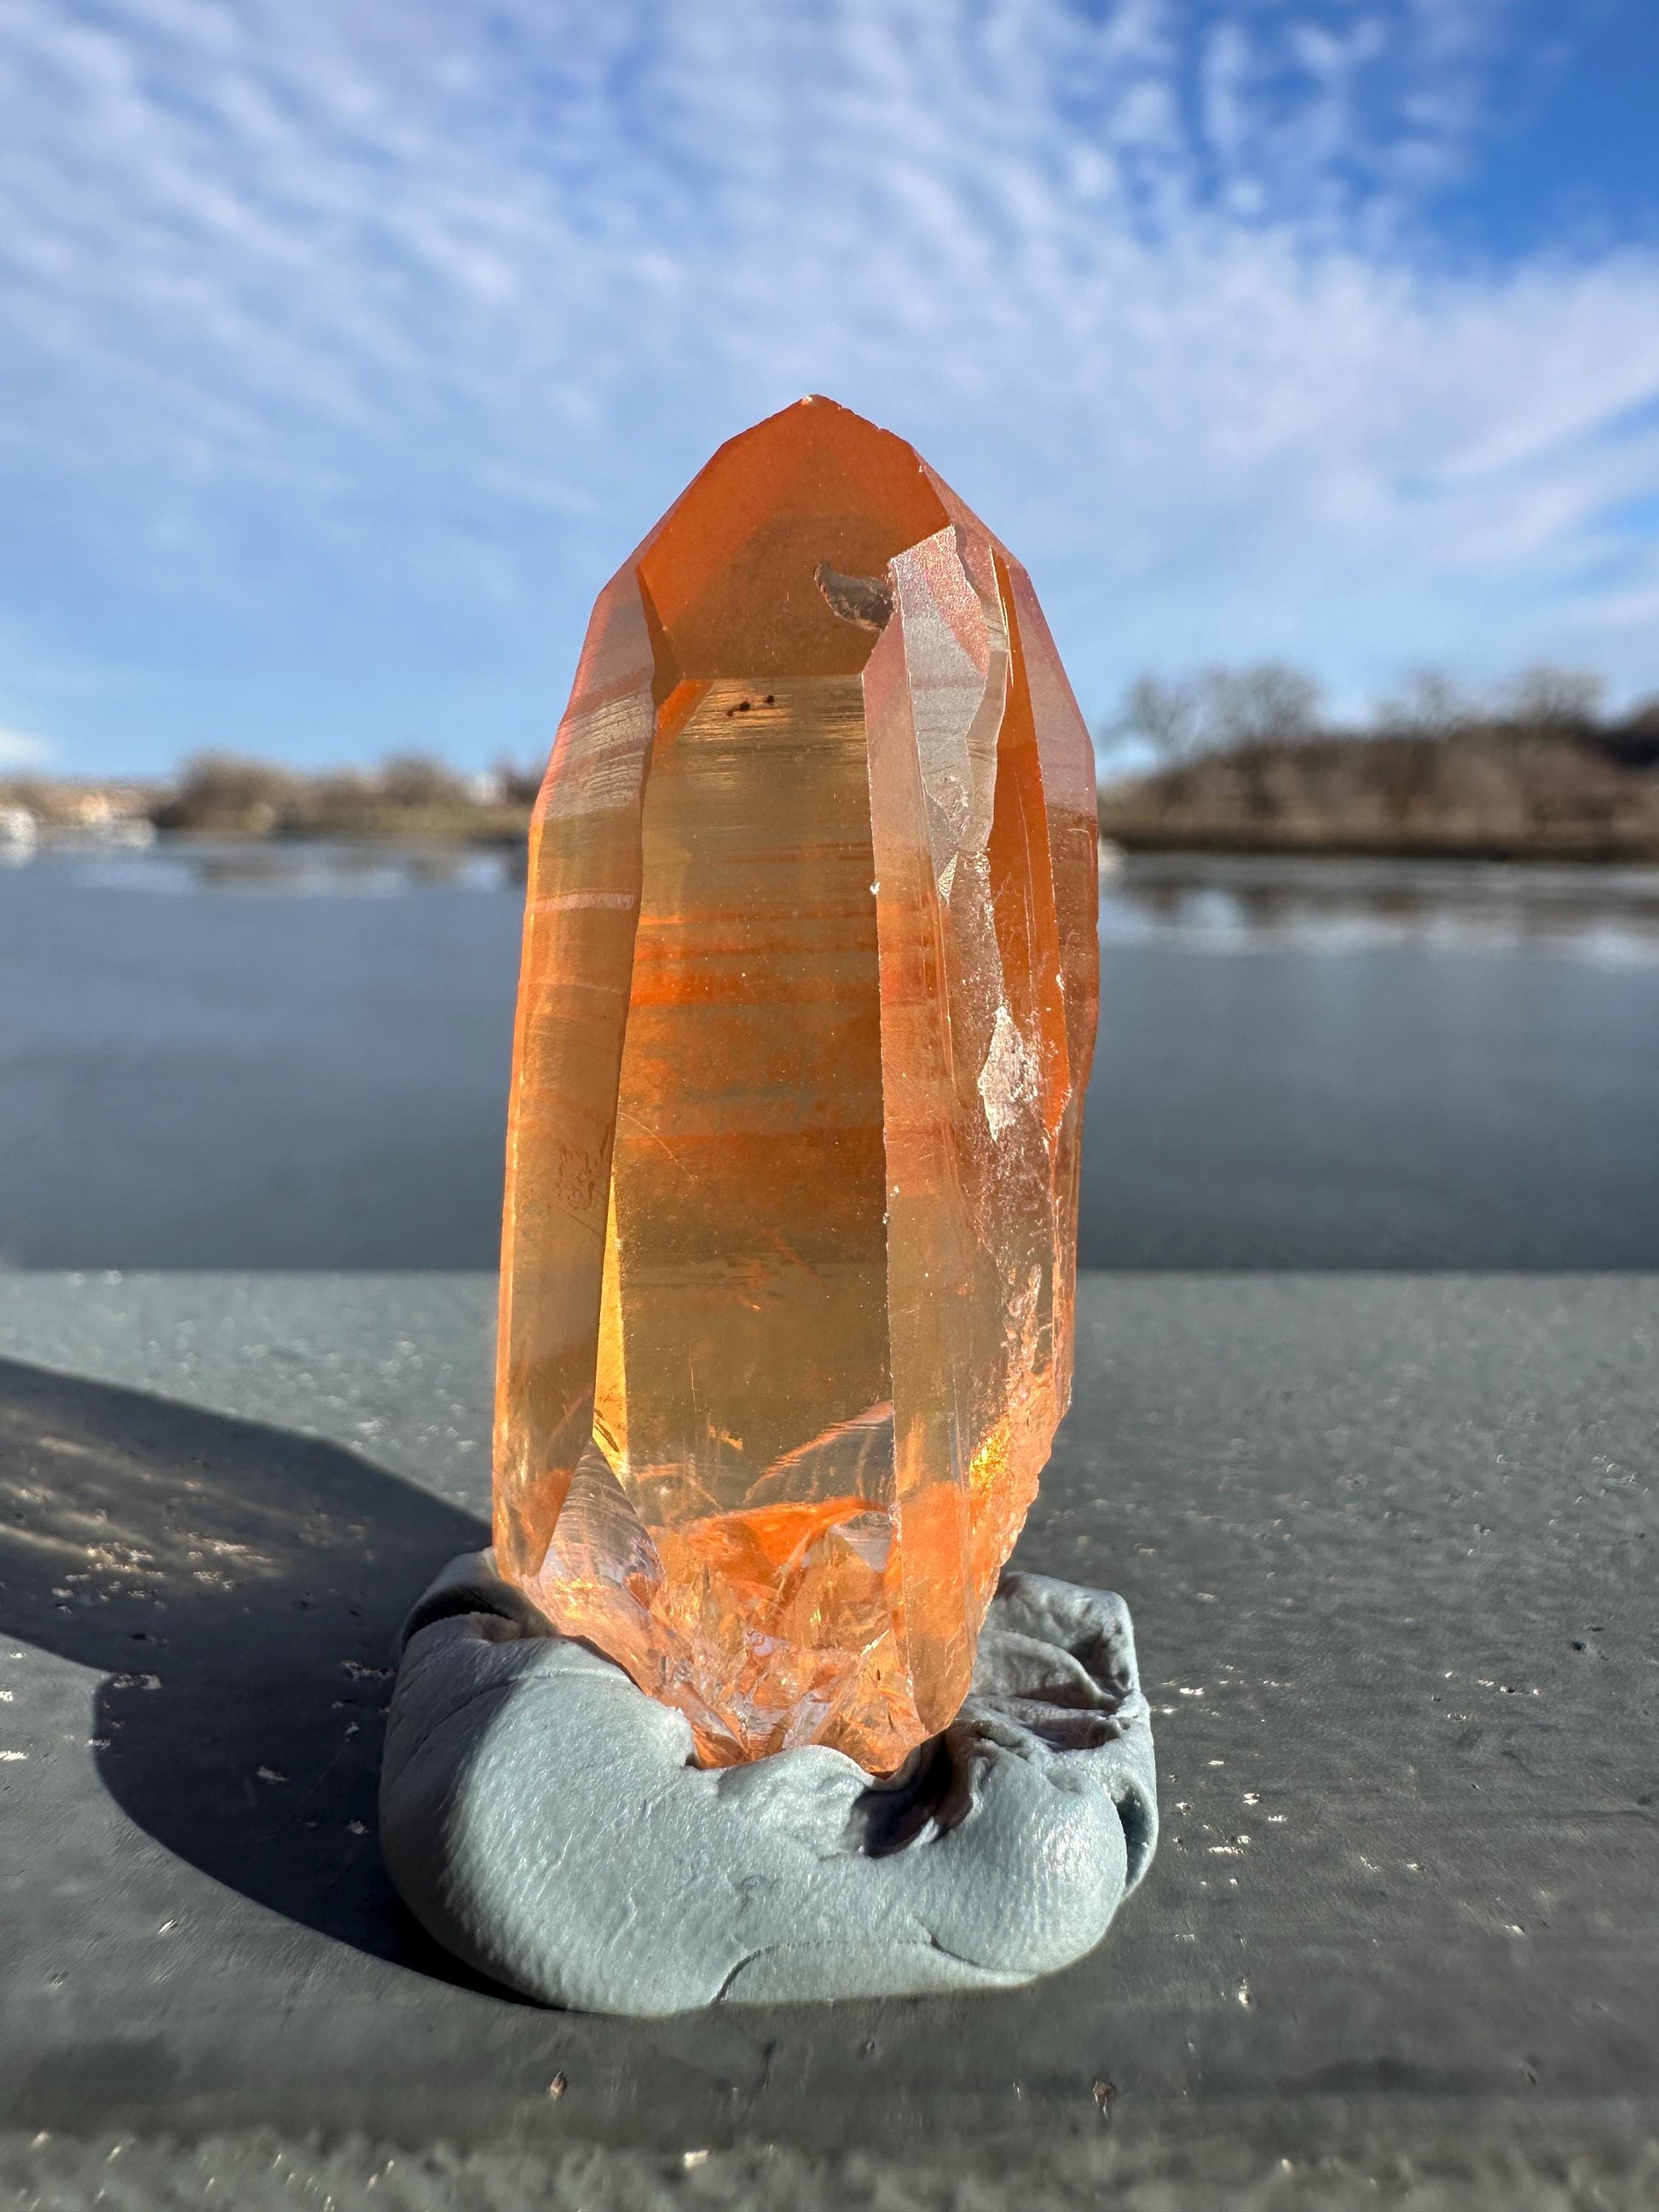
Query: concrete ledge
<point x="1387" y="1540"/>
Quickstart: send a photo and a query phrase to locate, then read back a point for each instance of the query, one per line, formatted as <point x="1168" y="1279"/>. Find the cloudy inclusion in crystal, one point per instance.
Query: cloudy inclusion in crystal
<point x="806" y="1015"/>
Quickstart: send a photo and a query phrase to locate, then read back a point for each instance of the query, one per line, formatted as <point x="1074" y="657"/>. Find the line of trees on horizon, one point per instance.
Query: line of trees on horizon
<point x="1246" y="759"/>
<point x="232" y="793"/>
<point x="1222" y="709"/>
<point x="238" y="794"/>
<point x="1243" y="757"/>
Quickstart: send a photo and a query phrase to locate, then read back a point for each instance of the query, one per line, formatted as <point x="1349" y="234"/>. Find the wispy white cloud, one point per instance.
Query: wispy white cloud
<point x="19" y="749"/>
<point x="377" y="334"/>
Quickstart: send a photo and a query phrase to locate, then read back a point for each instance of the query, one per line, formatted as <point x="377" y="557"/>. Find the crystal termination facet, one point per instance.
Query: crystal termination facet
<point x="806" y="1015"/>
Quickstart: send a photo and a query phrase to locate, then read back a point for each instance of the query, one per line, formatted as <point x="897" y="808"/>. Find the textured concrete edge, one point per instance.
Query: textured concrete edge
<point x="1555" y="2161"/>
<point x="543" y="1820"/>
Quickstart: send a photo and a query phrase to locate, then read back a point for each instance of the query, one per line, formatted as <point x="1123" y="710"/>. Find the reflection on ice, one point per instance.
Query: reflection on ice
<point x="1216" y="902"/>
<point x="1262" y="903"/>
<point x="280" y="869"/>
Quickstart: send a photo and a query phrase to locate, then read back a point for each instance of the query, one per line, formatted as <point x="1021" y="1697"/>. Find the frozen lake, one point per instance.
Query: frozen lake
<point x="297" y="1057"/>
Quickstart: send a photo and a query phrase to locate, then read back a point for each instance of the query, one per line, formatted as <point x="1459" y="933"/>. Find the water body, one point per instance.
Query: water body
<point x="298" y="1058"/>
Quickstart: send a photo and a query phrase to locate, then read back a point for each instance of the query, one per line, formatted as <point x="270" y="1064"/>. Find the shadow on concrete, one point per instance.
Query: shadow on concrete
<point x="240" y="1588"/>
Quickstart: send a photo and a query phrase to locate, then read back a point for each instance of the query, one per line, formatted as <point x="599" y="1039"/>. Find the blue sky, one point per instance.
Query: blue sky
<point x="349" y="344"/>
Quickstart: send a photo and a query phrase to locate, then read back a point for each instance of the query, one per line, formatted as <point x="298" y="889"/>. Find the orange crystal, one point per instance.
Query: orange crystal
<point x="806" y="1015"/>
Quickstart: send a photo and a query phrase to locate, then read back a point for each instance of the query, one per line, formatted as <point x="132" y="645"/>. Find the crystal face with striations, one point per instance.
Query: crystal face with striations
<point x="806" y="1015"/>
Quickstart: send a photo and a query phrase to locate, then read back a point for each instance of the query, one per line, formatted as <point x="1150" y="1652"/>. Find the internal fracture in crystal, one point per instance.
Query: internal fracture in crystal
<point x="805" y="1015"/>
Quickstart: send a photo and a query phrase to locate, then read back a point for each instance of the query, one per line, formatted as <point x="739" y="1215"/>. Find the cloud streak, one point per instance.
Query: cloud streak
<point x="18" y="749"/>
<point x="371" y="337"/>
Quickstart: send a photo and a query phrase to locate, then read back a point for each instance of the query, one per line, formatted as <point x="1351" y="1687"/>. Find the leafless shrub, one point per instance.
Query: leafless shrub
<point x="1534" y="767"/>
<point x="413" y="779"/>
<point x="518" y="786"/>
<point x="1429" y="703"/>
<point x="1544" y="697"/>
<point x="228" y="793"/>
<point x="1270" y="703"/>
<point x="1219" y="710"/>
<point x="1165" y="716"/>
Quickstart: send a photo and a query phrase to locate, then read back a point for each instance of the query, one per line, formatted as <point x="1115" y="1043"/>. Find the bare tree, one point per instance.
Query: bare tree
<point x="1220" y="710"/>
<point x="224" y="791"/>
<point x="413" y="779"/>
<point x="1269" y="704"/>
<point x="519" y="786"/>
<point x="1165" y="716"/>
<point x="1429" y="703"/>
<point x="1543" y="698"/>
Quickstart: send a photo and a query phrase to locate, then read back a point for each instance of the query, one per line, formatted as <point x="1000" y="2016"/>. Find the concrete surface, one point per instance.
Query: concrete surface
<point x="1387" y="1543"/>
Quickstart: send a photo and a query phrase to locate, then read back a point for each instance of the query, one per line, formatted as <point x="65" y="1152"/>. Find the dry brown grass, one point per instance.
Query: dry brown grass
<point x="1494" y="789"/>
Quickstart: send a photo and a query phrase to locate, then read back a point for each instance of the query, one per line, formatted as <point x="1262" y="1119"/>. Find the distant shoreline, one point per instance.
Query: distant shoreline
<point x="491" y="835"/>
<point x="1515" y="792"/>
<point x="1119" y="841"/>
<point x="1507" y="851"/>
<point x="1509" y="791"/>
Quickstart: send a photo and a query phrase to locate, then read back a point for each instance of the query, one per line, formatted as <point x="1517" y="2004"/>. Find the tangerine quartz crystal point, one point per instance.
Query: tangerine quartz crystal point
<point x="805" y="1015"/>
